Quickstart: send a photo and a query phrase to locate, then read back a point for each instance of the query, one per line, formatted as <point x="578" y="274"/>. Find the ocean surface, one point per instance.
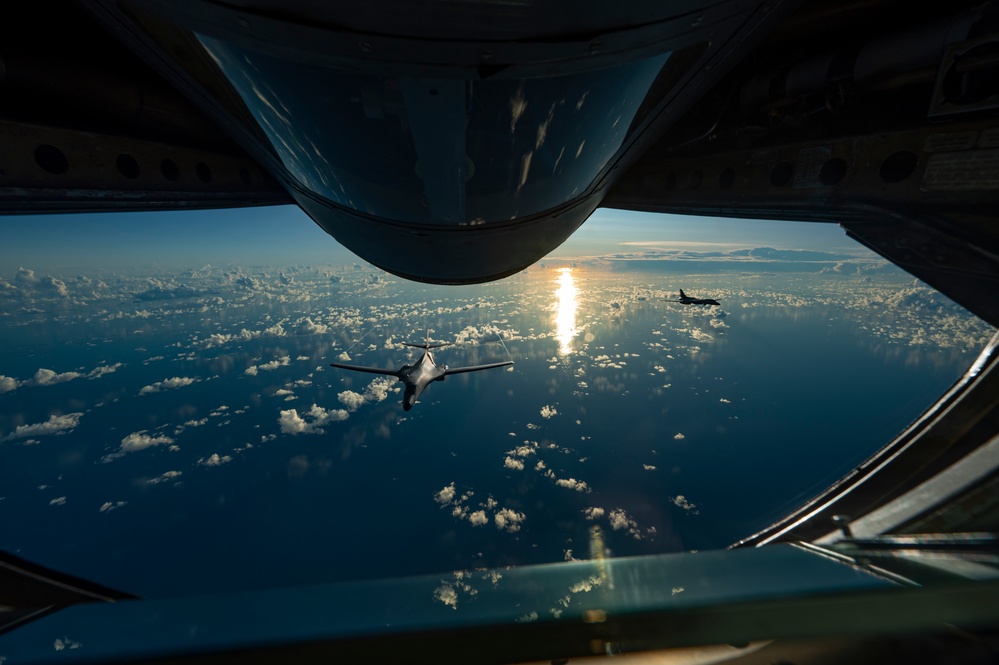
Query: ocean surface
<point x="169" y="434"/>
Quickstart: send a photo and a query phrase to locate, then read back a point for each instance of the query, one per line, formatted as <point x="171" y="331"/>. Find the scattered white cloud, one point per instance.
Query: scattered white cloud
<point x="140" y="441"/>
<point x="8" y="383"/>
<point x="353" y="401"/>
<point x="309" y="327"/>
<point x="214" y="460"/>
<point x="164" y="477"/>
<point x="573" y="484"/>
<point x="680" y="501"/>
<point x="98" y="372"/>
<point x="513" y="463"/>
<point x="47" y="377"/>
<point x="478" y="518"/>
<point x="58" y="501"/>
<point x="167" y="384"/>
<point x="311" y="421"/>
<point x="283" y="361"/>
<point x="679" y="436"/>
<point x="548" y="411"/>
<point x="54" y="425"/>
<point x="446" y="495"/>
<point x="447" y="595"/>
<point x="108" y="506"/>
<point x="508" y="520"/>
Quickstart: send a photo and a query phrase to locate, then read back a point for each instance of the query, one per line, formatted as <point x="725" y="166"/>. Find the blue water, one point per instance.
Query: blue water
<point x="684" y="427"/>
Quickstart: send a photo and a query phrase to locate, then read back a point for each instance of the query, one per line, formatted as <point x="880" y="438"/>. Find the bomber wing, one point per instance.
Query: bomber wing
<point x="369" y="370"/>
<point x="475" y="368"/>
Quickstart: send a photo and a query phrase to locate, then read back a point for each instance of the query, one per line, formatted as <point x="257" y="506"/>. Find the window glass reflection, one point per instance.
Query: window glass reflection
<point x="439" y="151"/>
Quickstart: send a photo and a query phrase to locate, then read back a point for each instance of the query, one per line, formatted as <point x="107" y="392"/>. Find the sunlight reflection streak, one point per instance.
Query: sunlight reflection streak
<point x="565" y="317"/>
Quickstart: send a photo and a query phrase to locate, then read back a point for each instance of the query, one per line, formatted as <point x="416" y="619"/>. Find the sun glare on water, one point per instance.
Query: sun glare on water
<point x="565" y="311"/>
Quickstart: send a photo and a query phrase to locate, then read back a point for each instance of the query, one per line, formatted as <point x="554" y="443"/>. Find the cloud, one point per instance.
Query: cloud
<point x="25" y="276"/>
<point x="214" y="460"/>
<point x="165" y="477"/>
<point x="108" y="506"/>
<point x="98" y="372"/>
<point x="353" y="401"/>
<point x="167" y="384"/>
<point x="140" y="441"/>
<point x="513" y="463"/>
<point x="47" y="377"/>
<point x="478" y="518"/>
<point x="53" y="285"/>
<point x="7" y="384"/>
<point x="58" y="501"/>
<point x="311" y="421"/>
<point x="680" y="501"/>
<point x="54" y="425"/>
<point x="593" y="513"/>
<point x="268" y="366"/>
<point x="218" y="339"/>
<point x="309" y="327"/>
<point x="548" y="411"/>
<point x="508" y="520"/>
<point x="573" y="484"/>
<point x="446" y="495"/>
<point x="679" y="436"/>
<point x="374" y="392"/>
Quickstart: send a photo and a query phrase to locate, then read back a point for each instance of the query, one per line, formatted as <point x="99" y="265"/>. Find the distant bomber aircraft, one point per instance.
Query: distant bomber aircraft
<point x="421" y="374"/>
<point x="684" y="299"/>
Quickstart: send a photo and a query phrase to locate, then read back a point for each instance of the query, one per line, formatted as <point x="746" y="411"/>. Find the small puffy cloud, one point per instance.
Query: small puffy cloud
<point x="353" y="401"/>
<point x="343" y="357"/>
<point x="214" y="460"/>
<point x="54" y="425"/>
<point x="699" y="335"/>
<point x="447" y="595"/>
<point x="98" y="372"/>
<point x="8" y="383"/>
<point x="47" y="377"/>
<point x="309" y="422"/>
<point x="548" y="411"/>
<point x="573" y="484"/>
<point x="679" y="436"/>
<point x="25" y="276"/>
<point x="478" y="518"/>
<point x="58" y="501"/>
<point x="593" y="513"/>
<point x="445" y="496"/>
<point x="140" y="441"/>
<point x="52" y="285"/>
<point x="268" y="366"/>
<point x="167" y="384"/>
<point x="508" y="520"/>
<point x="309" y="327"/>
<point x="374" y="392"/>
<point x="680" y="501"/>
<point x="163" y="478"/>
<point x="108" y="506"/>
<point x="513" y="463"/>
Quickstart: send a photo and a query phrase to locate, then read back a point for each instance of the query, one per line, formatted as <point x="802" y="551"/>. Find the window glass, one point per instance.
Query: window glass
<point x="170" y="424"/>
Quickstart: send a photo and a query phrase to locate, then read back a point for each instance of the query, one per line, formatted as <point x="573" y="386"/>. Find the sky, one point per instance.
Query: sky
<point x="284" y="235"/>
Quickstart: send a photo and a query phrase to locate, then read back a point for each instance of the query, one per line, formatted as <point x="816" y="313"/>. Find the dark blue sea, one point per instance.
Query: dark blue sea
<point x="174" y="433"/>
